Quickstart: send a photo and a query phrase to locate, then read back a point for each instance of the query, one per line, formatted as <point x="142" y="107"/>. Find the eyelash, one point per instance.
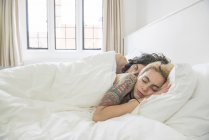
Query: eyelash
<point x="144" y="81"/>
<point x="154" y="90"/>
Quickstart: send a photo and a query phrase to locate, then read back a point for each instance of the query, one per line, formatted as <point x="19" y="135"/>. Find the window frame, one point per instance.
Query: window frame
<point x="83" y="32"/>
<point x="51" y="53"/>
<point x="76" y="23"/>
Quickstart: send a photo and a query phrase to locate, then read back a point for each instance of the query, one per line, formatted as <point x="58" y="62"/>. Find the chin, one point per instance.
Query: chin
<point x="136" y="96"/>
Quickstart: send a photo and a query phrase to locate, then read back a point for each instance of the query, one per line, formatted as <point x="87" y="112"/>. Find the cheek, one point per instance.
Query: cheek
<point x="139" y="84"/>
<point x="149" y="92"/>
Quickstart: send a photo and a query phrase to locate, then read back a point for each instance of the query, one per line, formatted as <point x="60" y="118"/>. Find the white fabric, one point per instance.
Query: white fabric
<point x="53" y="102"/>
<point x="113" y="28"/>
<point x="203" y="137"/>
<point x="134" y="127"/>
<point x="162" y="107"/>
<point x="65" y="83"/>
<point x="76" y="125"/>
<point x="193" y="119"/>
<point x="10" y="46"/>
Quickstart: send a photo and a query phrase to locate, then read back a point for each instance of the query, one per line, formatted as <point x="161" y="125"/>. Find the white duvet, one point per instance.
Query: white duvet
<point x="54" y="101"/>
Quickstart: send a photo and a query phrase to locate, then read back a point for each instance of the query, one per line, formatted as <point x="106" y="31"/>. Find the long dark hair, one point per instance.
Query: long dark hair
<point x="145" y="59"/>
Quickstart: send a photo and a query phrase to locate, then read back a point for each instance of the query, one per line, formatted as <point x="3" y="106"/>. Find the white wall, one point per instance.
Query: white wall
<point x="130" y="16"/>
<point x="138" y="13"/>
<point x="182" y="36"/>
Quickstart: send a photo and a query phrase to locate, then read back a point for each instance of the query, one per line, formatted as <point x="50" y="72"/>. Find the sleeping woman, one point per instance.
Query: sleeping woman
<point x="128" y="90"/>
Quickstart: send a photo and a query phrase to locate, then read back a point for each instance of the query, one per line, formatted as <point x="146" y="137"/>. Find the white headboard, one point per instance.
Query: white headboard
<point x="182" y="36"/>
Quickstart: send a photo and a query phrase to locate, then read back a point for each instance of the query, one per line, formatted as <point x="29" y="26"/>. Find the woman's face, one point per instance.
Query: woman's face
<point x="135" y="69"/>
<point x="148" y="83"/>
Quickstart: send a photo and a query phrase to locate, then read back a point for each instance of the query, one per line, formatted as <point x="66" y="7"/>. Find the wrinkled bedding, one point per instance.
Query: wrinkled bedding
<point x="55" y="101"/>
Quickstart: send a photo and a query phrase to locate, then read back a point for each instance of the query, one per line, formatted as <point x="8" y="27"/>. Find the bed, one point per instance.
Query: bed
<point x="55" y="101"/>
<point x="48" y="101"/>
<point x="183" y="36"/>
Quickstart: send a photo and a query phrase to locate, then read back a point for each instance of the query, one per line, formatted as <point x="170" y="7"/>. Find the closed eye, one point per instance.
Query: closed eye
<point x="145" y="80"/>
<point x="155" y="88"/>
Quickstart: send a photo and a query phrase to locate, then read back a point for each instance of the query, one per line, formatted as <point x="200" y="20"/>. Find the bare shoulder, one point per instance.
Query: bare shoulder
<point x="121" y="61"/>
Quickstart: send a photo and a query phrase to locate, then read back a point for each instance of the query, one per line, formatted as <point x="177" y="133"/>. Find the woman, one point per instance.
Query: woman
<point x="135" y="65"/>
<point x="128" y="91"/>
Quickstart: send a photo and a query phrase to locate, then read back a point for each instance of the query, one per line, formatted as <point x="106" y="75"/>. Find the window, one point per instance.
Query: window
<point x="37" y="24"/>
<point x="92" y="24"/>
<point x="64" y="24"/>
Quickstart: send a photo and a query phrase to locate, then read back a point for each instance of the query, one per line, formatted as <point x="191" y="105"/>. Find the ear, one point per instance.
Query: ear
<point x="135" y="73"/>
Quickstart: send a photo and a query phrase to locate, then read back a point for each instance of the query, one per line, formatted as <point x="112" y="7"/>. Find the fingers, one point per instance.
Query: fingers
<point x="166" y="86"/>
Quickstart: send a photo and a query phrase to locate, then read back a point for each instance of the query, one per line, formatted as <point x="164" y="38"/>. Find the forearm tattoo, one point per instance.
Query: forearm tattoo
<point x="116" y="93"/>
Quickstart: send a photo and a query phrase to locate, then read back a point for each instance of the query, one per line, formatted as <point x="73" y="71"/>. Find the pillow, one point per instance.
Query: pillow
<point x="193" y="118"/>
<point x="162" y="107"/>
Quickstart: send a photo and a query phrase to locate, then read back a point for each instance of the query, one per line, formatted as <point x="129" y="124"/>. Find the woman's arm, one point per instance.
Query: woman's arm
<point x="109" y="106"/>
<point x="103" y="113"/>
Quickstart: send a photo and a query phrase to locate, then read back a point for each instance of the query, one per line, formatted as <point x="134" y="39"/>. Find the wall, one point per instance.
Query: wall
<point x="182" y="36"/>
<point x="138" y="13"/>
<point x="130" y="16"/>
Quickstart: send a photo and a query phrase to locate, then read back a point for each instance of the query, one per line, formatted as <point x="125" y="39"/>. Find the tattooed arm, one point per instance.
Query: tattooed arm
<point x="110" y="105"/>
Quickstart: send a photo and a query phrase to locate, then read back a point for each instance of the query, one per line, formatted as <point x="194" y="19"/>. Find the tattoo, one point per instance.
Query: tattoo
<point x="117" y="92"/>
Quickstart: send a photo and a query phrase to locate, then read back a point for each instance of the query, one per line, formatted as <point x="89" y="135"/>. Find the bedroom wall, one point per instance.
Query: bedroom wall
<point x="182" y="36"/>
<point x="138" y="13"/>
<point x="130" y="16"/>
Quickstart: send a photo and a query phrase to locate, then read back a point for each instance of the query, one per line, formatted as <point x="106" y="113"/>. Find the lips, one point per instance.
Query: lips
<point x="139" y="93"/>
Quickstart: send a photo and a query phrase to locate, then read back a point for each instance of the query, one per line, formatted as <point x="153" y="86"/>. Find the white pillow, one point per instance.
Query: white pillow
<point x="193" y="118"/>
<point x="162" y="107"/>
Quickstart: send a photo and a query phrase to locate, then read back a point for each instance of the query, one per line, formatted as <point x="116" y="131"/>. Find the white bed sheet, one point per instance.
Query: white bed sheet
<point x="37" y="103"/>
<point x="77" y="125"/>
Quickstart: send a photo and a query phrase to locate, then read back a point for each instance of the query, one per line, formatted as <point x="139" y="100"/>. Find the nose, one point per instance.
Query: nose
<point x="145" y="88"/>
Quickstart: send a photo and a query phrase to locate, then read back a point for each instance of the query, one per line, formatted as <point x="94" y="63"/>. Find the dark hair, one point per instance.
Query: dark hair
<point x="146" y="59"/>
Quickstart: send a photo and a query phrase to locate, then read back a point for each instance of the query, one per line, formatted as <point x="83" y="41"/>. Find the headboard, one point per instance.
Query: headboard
<point x="182" y="36"/>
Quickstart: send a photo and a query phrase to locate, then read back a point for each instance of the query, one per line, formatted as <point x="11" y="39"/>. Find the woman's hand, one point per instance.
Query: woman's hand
<point x="110" y="106"/>
<point x="135" y="101"/>
<point x="164" y="88"/>
<point x="103" y="113"/>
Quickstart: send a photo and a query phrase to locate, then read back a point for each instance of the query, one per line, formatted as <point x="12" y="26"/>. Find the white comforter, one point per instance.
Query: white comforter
<point x="55" y="101"/>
